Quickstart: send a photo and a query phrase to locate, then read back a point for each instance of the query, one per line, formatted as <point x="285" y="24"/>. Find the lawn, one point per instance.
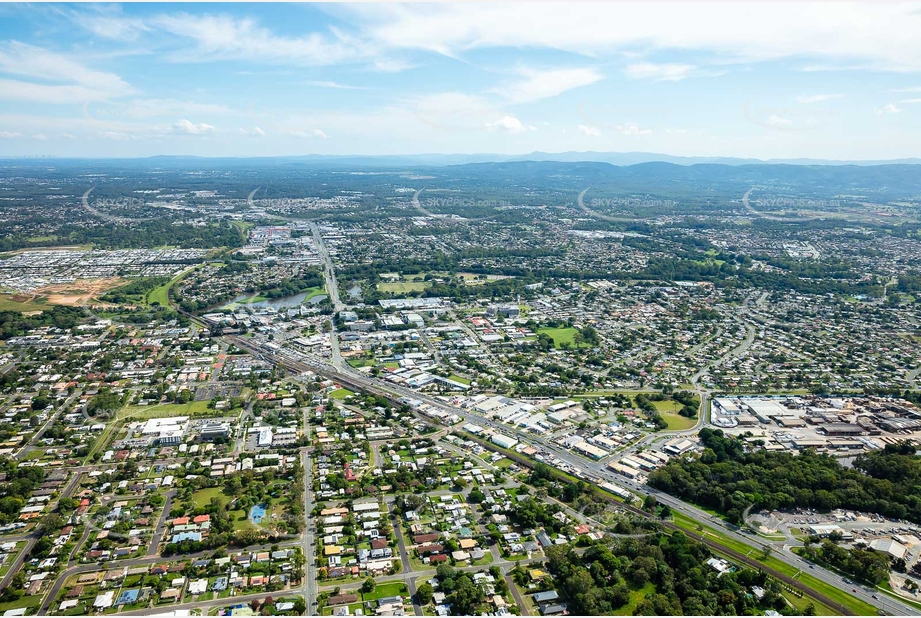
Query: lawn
<point x="27" y="601"/>
<point x="560" y="335"/>
<point x="362" y="362"/>
<point x="241" y="520"/>
<point x="390" y="589"/>
<point x="402" y="287"/>
<point x="341" y="393"/>
<point x="163" y="410"/>
<point x="678" y="423"/>
<point x="460" y="379"/>
<point x="669" y="411"/>
<point x="202" y="497"/>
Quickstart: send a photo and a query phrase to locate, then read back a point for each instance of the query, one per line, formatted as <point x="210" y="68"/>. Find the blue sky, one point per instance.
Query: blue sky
<point x="836" y="81"/>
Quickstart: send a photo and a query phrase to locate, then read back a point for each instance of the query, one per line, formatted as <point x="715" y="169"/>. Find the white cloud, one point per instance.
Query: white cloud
<point x="854" y="35"/>
<point x="224" y="37"/>
<point x="254" y="132"/>
<point x="393" y="65"/>
<point x="510" y="124"/>
<point x="333" y="85"/>
<point x="676" y="131"/>
<point x="74" y="81"/>
<point x="312" y="134"/>
<point x="187" y="127"/>
<point x="40" y="136"/>
<point x="910" y="101"/>
<point x="631" y="128"/>
<point x="9" y="134"/>
<point x="669" y="72"/>
<point x="538" y="85"/>
<point x="455" y="111"/>
<point x="17" y="90"/>
<point x="117" y="135"/>
<point x="778" y="121"/>
<point x="589" y="131"/>
<point x="882" y="36"/>
<point x="910" y="89"/>
<point x="889" y="108"/>
<point x="817" y="98"/>
<point x="110" y="23"/>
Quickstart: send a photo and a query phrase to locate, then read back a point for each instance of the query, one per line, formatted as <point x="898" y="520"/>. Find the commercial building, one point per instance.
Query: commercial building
<point x="503" y="440"/>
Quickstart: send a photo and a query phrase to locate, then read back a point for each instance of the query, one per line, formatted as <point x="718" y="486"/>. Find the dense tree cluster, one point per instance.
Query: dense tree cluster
<point x="864" y="564"/>
<point x="463" y="594"/>
<point x="729" y="479"/>
<point x="18" y="485"/>
<point x="16" y="324"/>
<point x="671" y="572"/>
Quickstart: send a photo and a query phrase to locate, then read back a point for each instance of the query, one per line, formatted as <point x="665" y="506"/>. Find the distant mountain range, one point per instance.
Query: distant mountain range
<point x="613" y="158"/>
<point x="440" y="160"/>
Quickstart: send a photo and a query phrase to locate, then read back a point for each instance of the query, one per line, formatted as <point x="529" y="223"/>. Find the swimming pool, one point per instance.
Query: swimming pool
<point x="257" y="513"/>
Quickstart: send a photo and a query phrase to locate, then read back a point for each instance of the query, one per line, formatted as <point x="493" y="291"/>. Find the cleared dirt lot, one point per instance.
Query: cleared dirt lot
<point x="77" y="292"/>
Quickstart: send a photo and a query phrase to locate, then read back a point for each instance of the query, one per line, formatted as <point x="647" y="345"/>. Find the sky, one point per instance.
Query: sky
<point x="834" y="81"/>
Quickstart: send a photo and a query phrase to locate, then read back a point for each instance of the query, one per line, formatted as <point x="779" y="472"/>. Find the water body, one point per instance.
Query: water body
<point x="283" y="302"/>
<point x="257" y="513"/>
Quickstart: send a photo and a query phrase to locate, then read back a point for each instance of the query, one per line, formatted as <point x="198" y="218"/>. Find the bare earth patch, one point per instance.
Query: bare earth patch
<point x="78" y="292"/>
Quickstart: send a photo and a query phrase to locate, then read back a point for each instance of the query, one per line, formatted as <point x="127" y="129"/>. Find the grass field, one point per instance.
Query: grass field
<point x="389" y="589"/>
<point x="162" y="410"/>
<point x="311" y="292"/>
<point x="27" y="601"/>
<point x="401" y="287"/>
<point x="460" y="379"/>
<point x="559" y="335"/>
<point x="361" y="362"/>
<point x="160" y="294"/>
<point x="340" y="393"/>
<point x="243" y="226"/>
<point x="8" y="304"/>
<point x="202" y="497"/>
<point x="636" y="596"/>
<point x="669" y="411"/>
<point x="241" y="520"/>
